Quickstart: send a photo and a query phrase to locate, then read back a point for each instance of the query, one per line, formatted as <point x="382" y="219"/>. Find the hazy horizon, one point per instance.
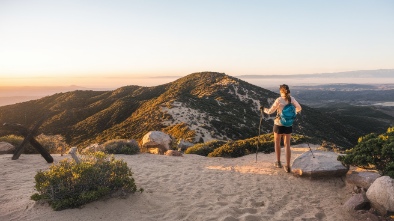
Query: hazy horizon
<point x="16" y="94"/>
<point x="110" y="83"/>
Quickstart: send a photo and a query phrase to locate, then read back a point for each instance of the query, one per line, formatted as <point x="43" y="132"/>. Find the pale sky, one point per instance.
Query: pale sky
<point x="97" y="43"/>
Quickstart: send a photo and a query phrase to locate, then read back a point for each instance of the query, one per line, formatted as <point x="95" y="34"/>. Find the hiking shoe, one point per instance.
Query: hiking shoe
<point x="278" y="164"/>
<point x="287" y="169"/>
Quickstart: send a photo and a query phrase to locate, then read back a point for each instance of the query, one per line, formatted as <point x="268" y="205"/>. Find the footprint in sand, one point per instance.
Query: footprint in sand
<point x="180" y="189"/>
<point x="222" y="203"/>
<point x="230" y="218"/>
<point x="256" y="204"/>
<point x="245" y="210"/>
<point x="250" y="218"/>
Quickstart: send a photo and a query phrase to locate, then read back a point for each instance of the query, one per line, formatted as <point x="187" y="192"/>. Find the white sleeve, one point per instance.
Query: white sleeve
<point x="296" y="104"/>
<point x="273" y="108"/>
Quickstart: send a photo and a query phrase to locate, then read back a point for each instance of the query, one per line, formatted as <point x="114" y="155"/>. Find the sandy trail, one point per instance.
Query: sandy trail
<point x="191" y="187"/>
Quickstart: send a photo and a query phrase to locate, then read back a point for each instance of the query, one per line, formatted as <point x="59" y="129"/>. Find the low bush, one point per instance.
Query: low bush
<point x="373" y="151"/>
<point x="204" y="149"/>
<point x="243" y="147"/>
<point x="69" y="185"/>
<point x="121" y="146"/>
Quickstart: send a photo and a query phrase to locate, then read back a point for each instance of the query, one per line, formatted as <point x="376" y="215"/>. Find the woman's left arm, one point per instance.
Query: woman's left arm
<point x="296" y="104"/>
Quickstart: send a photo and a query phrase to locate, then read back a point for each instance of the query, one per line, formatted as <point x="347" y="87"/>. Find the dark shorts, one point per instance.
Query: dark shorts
<point x="283" y="129"/>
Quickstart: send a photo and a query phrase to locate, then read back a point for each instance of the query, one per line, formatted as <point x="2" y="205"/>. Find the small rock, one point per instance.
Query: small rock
<point x="183" y="145"/>
<point x="173" y="153"/>
<point x="92" y="148"/>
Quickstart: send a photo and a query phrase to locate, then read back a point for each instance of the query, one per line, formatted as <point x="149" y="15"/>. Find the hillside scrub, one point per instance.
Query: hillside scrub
<point x="373" y="151"/>
<point x="54" y="144"/>
<point x="69" y="185"/>
<point x="229" y="104"/>
<point x="180" y="131"/>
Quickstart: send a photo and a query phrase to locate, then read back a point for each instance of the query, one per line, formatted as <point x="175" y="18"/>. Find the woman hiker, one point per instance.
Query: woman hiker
<point x="280" y="130"/>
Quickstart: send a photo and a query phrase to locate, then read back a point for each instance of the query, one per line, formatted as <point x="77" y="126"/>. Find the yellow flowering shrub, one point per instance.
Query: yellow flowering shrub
<point x="373" y="151"/>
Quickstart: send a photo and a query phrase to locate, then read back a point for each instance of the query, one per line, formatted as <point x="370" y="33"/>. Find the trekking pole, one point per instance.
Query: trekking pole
<point x="258" y="138"/>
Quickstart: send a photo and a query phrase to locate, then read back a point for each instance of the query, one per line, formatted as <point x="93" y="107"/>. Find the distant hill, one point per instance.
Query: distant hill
<point x="16" y="94"/>
<point x="198" y="107"/>
<point x="383" y="73"/>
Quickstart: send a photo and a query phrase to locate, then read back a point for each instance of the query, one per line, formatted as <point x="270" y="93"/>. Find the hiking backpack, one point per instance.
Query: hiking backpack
<point x="288" y="115"/>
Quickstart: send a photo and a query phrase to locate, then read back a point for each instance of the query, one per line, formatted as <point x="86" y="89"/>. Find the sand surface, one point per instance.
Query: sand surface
<point x="191" y="187"/>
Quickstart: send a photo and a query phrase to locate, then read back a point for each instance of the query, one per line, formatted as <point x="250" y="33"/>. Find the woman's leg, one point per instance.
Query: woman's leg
<point x="277" y="145"/>
<point x="286" y="141"/>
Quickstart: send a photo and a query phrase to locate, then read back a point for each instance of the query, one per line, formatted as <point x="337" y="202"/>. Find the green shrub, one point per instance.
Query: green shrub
<point x="69" y="185"/>
<point x="373" y="151"/>
<point x="230" y="149"/>
<point x="54" y="144"/>
<point x="204" y="149"/>
<point x="243" y="147"/>
<point x="121" y="146"/>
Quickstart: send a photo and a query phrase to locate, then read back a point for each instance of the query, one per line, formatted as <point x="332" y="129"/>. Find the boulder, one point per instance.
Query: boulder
<point x="183" y="145"/>
<point x="173" y="153"/>
<point x="6" y="148"/>
<point x="324" y="164"/>
<point x="357" y="202"/>
<point x="381" y="195"/>
<point x="362" y="179"/>
<point x="156" y="142"/>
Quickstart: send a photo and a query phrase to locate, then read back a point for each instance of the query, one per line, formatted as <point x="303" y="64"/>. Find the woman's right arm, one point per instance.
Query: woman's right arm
<point x="273" y="108"/>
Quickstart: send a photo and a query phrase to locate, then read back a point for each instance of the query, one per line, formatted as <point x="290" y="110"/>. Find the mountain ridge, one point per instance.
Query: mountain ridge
<point x="198" y="107"/>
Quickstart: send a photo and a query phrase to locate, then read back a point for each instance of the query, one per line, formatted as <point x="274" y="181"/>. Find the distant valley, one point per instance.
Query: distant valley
<point x="17" y="94"/>
<point x="369" y="108"/>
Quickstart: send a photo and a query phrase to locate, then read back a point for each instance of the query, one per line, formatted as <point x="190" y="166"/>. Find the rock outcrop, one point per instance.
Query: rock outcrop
<point x="320" y="164"/>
